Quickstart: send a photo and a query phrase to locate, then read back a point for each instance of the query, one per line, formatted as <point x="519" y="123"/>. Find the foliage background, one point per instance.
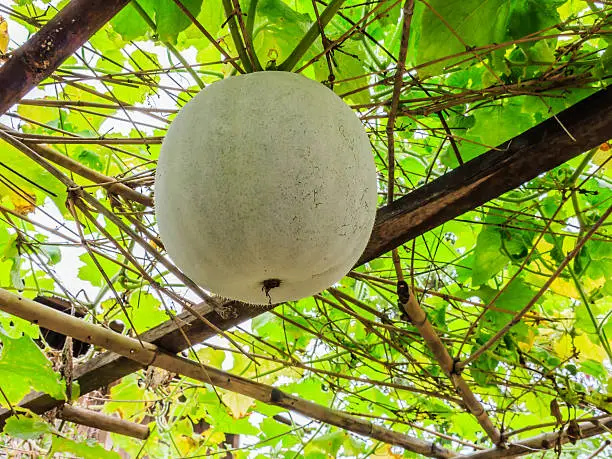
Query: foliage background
<point x="478" y="74"/>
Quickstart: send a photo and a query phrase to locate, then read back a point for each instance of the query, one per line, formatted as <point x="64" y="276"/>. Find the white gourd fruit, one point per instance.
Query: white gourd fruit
<point x="265" y="188"/>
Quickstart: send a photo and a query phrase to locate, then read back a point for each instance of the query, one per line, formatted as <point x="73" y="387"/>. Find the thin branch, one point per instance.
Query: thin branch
<point x="82" y="103"/>
<point x="247" y="37"/>
<point x="57" y="140"/>
<point x="111" y="184"/>
<point x="230" y="12"/>
<point x="407" y="11"/>
<point x="603" y="446"/>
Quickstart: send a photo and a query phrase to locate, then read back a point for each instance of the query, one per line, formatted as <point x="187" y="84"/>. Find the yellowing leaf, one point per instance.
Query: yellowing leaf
<point x="22" y="205"/>
<point x="544" y="246"/>
<point x="563" y="347"/>
<point x="213" y="437"/>
<point x="384" y="452"/>
<point x="527" y="344"/>
<point x="238" y="404"/>
<point x="602" y="156"/>
<point x="128" y="389"/>
<point x="185" y="444"/>
<point x="565" y="288"/>
<point x="589" y="350"/>
<point x="211" y="356"/>
<point x="4" y="35"/>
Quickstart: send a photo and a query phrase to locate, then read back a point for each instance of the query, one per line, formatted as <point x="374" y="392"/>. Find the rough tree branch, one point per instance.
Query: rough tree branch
<point x="56" y="41"/>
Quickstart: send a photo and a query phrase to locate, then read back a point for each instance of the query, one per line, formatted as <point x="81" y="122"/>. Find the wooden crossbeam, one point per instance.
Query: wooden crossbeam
<point x="545" y="146"/>
<point x="546" y="441"/>
<point x="55" y="42"/>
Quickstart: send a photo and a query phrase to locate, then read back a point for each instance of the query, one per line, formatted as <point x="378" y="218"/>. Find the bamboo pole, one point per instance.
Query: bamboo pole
<point x="419" y="319"/>
<point x="103" y="422"/>
<point x="148" y="354"/>
<point x="545" y="441"/>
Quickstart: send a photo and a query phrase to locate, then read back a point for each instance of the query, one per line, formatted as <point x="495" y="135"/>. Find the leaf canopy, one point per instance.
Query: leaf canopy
<point x="477" y="74"/>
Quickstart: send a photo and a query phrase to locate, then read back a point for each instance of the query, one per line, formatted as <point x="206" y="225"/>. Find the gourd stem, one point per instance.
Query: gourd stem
<point x="250" y="23"/>
<point x="310" y="37"/>
<point x="231" y="21"/>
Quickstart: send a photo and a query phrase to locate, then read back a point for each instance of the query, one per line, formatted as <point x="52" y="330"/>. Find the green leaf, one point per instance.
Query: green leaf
<point x="130" y="24"/>
<point x="170" y="20"/>
<point x="488" y="258"/>
<point x="330" y="443"/>
<point x="23" y="367"/>
<point x="492" y="125"/>
<point x="347" y="65"/>
<point x="593" y="368"/>
<point x="14" y="327"/>
<point x="90" y="272"/>
<point x="35" y="174"/>
<point x="85" y="450"/>
<point x="26" y="427"/>
<point x="275" y="431"/>
<point x="219" y="418"/>
<point x="145" y="312"/>
<point x="127" y="389"/>
<point x="514" y="297"/>
<point x="529" y="16"/>
<point x="278" y="29"/>
<point x="91" y="159"/>
<point x="477" y="22"/>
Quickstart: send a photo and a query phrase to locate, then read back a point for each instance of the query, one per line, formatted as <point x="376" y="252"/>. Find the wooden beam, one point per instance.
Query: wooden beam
<point x="150" y="355"/>
<point x="57" y="40"/>
<point x="109" y="367"/>
<point x="545" y="441"/>
<point x="407" y="218"/>
<point x="103" y="422"/>
<point x="493" y="173"/>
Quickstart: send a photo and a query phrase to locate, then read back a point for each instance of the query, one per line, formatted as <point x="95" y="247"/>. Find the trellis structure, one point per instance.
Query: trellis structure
<point x="410" y="331"/>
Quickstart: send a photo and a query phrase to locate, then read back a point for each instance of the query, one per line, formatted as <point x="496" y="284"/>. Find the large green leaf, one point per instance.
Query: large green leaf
<point x="24" y="367"/>
<point x="84" y="450"/>
<point x="26" y="427"/>
<point x="450" y="27"/>
<point x="488" y="257"/>
<point x="167" y="16"/>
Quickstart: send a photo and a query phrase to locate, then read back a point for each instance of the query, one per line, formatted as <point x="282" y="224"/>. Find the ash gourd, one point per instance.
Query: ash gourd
<point x="265" y="188"/>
